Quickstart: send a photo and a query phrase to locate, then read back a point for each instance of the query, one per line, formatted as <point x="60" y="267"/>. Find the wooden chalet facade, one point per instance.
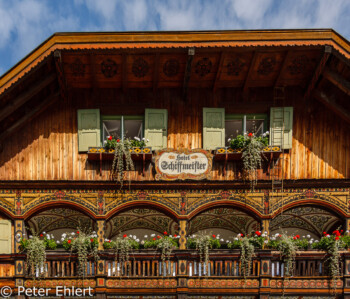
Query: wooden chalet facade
<point x="182" y="91"/>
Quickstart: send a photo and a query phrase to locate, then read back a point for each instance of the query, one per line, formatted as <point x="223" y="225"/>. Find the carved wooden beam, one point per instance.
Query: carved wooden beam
<point x="124" y="74"/>
<point x="251" y="67"/>
<point x="25" y="97"/>
<point x="31" y="114"/>
<point x="284" y="65"/>
<point x="218" y="73"/>
<point x="338" y="80"/>
<point x="156" y="72"/>
<point x="330" y="103"/>
<point x="62" y="82"/>
<point x="318" y="71"/>
<point x="191" y="52"/>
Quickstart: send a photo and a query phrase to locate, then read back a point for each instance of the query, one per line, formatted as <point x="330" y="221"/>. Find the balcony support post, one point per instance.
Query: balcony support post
<point x="183" y="234"/>
<point x="100" y="233"/>
<point x="265" y="275"/>
<point x="265" y="226"/>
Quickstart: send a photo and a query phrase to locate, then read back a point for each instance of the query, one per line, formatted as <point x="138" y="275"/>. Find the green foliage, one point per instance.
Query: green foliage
<point x="238" y="142"/>
<point x="302" y="244"/>
<point x="252" y="160"/>
<point x="247" y="254"/>
<point x="122" y="161"/>
<point x="166" y="244"/>
<point x="50" y="244"/>
<point x="287" y="248"/>
<point x="137" y="142"/>
<point x="34" y="247"/>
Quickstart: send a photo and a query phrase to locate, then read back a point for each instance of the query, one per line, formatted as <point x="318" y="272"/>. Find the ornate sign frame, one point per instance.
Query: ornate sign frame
<point x="183" y="175"/>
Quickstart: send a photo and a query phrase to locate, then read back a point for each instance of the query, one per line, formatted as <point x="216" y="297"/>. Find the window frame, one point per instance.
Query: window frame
<point x="247" y="116"/>
<point x="122" y="118"/>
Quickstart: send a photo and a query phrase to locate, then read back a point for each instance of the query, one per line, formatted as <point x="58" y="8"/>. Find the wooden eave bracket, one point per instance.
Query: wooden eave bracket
<point x="60" y="74"/>
<point x="187" y="77"/>
<point x="337" y="80"/>
<point x="319" y="69"/>
<point x="331" y="104"/>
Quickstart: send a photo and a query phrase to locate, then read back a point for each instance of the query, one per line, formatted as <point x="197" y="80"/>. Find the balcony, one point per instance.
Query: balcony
<point x="145" y="274"/>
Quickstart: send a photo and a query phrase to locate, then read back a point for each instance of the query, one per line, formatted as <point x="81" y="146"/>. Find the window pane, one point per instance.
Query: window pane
<point x="112" y="128"/>
<point x="133" y="128"/>
<point x="233" y="128"/>
<point x="255" y="126"/>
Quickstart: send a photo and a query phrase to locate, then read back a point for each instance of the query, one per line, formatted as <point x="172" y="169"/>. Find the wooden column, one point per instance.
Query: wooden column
<point x="265" y="226"/>
<point x="19" y="231"/>
<point x="183" y="233"/>
<point x="347" y="224"/>
<point x="100" y="233"/>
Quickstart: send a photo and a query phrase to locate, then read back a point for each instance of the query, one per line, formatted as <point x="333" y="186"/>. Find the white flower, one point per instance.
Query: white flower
<point x="222" y="240"/>
<point x="217" y="237"/>
<point x="308" y="236"/>
<point x="73" y="233"/>
<point x="147" y="140"/>
<point x="153" y="235"/>
<point x="130" y="236"/>
<point x="266" y="241"/>
<point x="44" y="233"/>
<point x="62" y="239"/>
<point x="143" y="138"/>
<point x="276" y="235"/>
<point x="227" y="241"/>
<point x="94" y="232"/>
<point x="236" y="238"/>
<point x="194" y="236"/>
<point x="316" y="241"/>
<point x="264" y="135"/>
<point x="229" y="139"/>
<point x="310" y="241"/>
<point x="30" y="237"/>
<point x="137" y="138"/>
<point x="63" y="235"/>
<point x="267" y="132"/>
<point x="18" y="235"/>
<point x="142" y="242"/>
<point x="58" y="242"/>
<point x="328" y="236"/>
<point x="105" y="142"/>
<point x="170" y="236"/>
<point x="146" y="236"/>
<point x="303" y="237"/>
<point x="134" y="237"/>
<point x="106" y="240"/>
<point x="48" y="237"/>
<point x="178" y="237"/>
<point x="137" y="240"/>
<point x="273" y="238"/>
<point x="263" y="235"/>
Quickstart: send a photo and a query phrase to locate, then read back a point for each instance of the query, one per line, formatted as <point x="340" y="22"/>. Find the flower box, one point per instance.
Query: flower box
<point x="229" y="154"/>
<point x="102" y="154"/>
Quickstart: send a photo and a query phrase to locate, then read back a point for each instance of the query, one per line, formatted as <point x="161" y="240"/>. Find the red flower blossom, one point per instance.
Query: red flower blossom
<point x="214" y="236"/>
<point x="324" y="233"/>
<point x="294" y="238"/>
<point x="258" y="233"/>
<point x="91" y="240"/>
<point x="297" y="236"/>
<point x="158" y="237"/>
<point x="124" y="236"/>
<point x="110" y="137"/>
<point x="109" y="241"/>
<point x="165" y="233"/>
<point x="250" y="134"/>
<point x="175" y="235"/>
<point x="118" y="140"/>
<point x="69" y="241"/>
<point x="280" y="235"/>
<point x="78" y="232"/>
<point x="41" y="235"/>
<point x="337" y="238"/>
<point x="154" y="239"/>
<point x="341" y="231"/>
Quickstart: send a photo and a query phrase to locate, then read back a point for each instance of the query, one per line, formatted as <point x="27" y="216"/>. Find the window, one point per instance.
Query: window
<point x="122" y="127"/>
<point x="218" y="127"/>
<point x="93" y="129"/>
<point x="239" y="124"/>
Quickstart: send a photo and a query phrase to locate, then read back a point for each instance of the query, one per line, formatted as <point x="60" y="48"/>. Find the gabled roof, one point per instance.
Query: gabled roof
<point x="201" y="59"/>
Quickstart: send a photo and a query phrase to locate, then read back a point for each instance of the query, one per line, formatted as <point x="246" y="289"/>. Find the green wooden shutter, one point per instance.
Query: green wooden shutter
<point x="156" y="128"/>
<point x="5" y="236"/>
<point x="278" y="115"/>
<point x="88" y="129"/>
<point x="213" y="128"/>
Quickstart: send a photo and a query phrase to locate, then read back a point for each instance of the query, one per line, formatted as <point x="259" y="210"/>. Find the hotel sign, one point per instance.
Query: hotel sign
<point x="183" y="164"/>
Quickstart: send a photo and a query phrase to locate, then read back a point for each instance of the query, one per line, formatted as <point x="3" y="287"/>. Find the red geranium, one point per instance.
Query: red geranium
<point x="69" y="241"/>
<point x="118" y="140"/>
<point x="91" y="240"/>
<point x="258" y="233"/>
<point x="214" y="236"/>
<point x="324" y="233"/>
<point x="154" y="239"/>
<point x="294" y="238"/>
<point x="78" y="232"/>
<point x="158" y="237"/>
<point x="337" y="238"/>
<point x="124" y="236"/>
<point x="41" y="235"/>
<point x="110" y="137"/>
<point x="165" y="233"/>
<point x="175" y="235"/>
<point x="109" y="241"/>
<point x="250" y="134"/>
<point x="297" y="236"/>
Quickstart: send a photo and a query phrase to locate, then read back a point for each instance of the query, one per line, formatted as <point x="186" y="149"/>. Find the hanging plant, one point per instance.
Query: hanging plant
<point x="166" y="244"/>
<point x="85" y="245"/>
<point x="34" y="247"/>
<point x="122" y="161"/>
<point x="288" y="247"/>
<point x="247" y="254"/>
<point x="203" y="243"/>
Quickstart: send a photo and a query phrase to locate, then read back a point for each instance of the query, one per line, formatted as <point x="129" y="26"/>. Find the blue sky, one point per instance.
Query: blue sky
<point x="24" y="24"/>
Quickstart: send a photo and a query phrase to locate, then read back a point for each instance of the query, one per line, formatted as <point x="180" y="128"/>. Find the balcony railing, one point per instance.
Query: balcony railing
<point x="146" y="270"/>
